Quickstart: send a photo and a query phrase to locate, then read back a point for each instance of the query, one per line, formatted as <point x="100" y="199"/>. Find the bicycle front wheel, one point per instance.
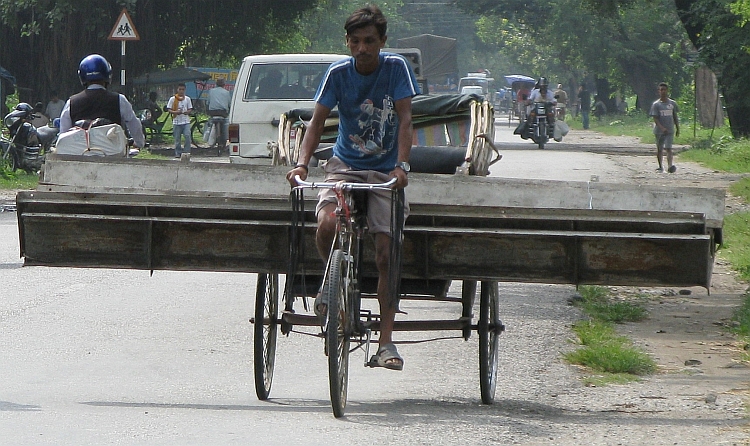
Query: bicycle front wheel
<point x="337" y="332"/>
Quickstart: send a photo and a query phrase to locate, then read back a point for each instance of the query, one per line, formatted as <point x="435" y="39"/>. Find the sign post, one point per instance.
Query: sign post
<point x="123" y="31"/>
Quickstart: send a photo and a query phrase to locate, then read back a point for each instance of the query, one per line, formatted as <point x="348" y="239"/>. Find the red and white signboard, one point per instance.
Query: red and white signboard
<point x="124" y="28"/>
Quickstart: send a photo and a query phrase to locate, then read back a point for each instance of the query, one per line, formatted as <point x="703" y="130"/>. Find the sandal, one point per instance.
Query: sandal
<point x="387" y="357"/>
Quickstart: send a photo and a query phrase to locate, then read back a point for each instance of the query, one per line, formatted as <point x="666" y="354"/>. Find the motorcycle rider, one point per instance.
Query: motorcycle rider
<point x="95" y="101"/>
<point x="219" y="100"/>
<point x="541" y="93"/>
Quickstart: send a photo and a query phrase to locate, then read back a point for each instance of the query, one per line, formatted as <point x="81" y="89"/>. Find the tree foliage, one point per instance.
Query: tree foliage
<point x="323" y="25"/>
<point x="43" y="40"/>
<point x="628" y="45"/>
<point x="721" y="32"/>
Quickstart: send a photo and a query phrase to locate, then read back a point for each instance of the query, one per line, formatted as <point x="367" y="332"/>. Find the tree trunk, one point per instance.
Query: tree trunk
<point x="735" y="85"/>
<point x="710" y="112"/>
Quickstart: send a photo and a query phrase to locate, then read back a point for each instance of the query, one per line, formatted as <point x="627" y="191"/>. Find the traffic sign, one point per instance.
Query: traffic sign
<point x="124" y="28"/>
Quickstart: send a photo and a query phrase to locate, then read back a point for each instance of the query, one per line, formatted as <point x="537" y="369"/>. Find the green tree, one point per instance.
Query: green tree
<point x="721" y="32"/>
<point x="628" y="45"/>
<point x="43" y="40"/>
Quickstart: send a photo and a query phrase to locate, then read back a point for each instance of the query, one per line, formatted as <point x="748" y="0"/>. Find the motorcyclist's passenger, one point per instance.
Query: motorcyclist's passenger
<point x="95" y="102"/>
<point x="562" y="100"/>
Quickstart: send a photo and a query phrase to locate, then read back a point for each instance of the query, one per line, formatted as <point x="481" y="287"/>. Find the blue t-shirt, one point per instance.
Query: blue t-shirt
<point x="368" y="123"/>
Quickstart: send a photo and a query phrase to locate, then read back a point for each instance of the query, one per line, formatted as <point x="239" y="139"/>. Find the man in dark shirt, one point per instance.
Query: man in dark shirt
<point x="95" y="102"/>
<point x="584" y="99"/>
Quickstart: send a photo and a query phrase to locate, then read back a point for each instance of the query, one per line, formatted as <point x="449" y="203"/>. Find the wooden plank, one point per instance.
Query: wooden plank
<point x="170" y="178"/>
<point x="143" y="242"/>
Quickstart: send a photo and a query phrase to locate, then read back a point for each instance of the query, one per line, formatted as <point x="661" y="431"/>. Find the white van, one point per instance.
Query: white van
<point x="266" y="87"/>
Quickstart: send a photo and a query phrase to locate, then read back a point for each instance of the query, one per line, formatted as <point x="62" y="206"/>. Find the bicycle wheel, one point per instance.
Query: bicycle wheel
<point x="337" y="333"/>
<point x="265" y="332"/>
<point x="489" y="328"/>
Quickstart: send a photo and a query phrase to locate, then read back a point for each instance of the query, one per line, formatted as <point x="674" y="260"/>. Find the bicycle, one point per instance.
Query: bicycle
<point x="344" y="323"/>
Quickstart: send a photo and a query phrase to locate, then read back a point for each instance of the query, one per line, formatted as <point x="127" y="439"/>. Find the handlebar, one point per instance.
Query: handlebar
<point x="343" y="185"/>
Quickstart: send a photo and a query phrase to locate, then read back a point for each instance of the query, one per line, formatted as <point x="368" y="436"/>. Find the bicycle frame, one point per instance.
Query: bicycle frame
<point x="350" y="227"/>
<point x="341" y="290"/>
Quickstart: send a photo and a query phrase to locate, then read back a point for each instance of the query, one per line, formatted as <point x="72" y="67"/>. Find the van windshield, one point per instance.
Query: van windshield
<point x="284" y="81"/>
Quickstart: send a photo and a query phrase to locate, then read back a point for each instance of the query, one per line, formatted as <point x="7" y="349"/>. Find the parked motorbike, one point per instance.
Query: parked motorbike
<point x="541" y="127"/>
<point x="27" y="144"/>
<point x="215" y="131"/>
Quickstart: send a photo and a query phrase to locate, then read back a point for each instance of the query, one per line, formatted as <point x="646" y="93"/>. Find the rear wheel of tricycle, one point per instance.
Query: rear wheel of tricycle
<point x="489" y="328"/>
<point x="265" y="332"/>
<point x="337" y="332"/>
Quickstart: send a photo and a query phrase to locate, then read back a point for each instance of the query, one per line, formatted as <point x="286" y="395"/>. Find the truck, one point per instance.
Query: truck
<point x="414" y="57"/>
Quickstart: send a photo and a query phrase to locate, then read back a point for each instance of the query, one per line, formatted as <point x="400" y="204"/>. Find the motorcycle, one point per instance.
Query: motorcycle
<point x="27" y="144"/>
<point x="541" y="126"/>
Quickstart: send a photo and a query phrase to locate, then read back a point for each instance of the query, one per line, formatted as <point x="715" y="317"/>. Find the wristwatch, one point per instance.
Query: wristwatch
<point x="403" y="165"/>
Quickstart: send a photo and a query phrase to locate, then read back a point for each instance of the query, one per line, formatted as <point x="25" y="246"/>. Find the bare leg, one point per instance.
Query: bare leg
<point x="323" y="240"/>
<point x="387" y="303"/>
<point x="326" y="230"/>
<point x="659" y="152"/>
<point x="670" y="157"/>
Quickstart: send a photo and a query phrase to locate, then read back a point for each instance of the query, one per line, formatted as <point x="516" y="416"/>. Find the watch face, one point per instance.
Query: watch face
<point x="404" y="165"/>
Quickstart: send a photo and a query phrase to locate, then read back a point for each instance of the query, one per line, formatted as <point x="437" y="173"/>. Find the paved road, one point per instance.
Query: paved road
<point x="579" y="157"/>
<point x="121" y="357"/>
<point x="93" y="357"/>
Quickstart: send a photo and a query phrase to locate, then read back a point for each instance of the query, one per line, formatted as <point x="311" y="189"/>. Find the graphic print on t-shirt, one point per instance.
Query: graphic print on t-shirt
<point x="373" y="123"/>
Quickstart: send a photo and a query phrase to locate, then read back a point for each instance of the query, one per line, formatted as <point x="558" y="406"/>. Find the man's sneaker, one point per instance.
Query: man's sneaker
<point x="672" y="168"/>
<point x="659" y="170"/>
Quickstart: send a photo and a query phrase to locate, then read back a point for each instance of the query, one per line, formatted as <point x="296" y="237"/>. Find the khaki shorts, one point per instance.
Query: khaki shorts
<point x="378" y="201"/>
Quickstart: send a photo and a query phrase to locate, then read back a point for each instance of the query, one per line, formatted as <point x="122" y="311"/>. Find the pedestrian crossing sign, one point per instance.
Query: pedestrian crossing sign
<point x="124" y="28"/>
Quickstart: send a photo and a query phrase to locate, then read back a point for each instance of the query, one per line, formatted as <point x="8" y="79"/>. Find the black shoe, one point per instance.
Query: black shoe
<point x="672" y="169"/>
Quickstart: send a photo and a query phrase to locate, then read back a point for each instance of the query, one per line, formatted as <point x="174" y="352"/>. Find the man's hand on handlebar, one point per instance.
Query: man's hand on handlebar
<point x="402" y="178"/>
<point x="300" y="170"/>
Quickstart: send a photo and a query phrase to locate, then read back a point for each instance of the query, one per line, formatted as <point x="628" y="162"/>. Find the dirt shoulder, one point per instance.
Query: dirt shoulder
<point x="686" y="331"/>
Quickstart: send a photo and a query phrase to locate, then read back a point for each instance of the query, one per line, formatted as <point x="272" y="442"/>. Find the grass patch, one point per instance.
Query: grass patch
<point x="724" y="153"/>
<point x="603" y="350"/>
<point x="741" y="188"/>
<point x="146" y="155"/>
<point x="613" y="358"/>
<point x="736" y="243"/>
<point x="638" y="124"/>
<point x="742" y="317"/>
<point x="18" y="179"/>
<point x="604" y="379"/>
<point x="741" y="328"/>
<point x="598" y="305"/>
